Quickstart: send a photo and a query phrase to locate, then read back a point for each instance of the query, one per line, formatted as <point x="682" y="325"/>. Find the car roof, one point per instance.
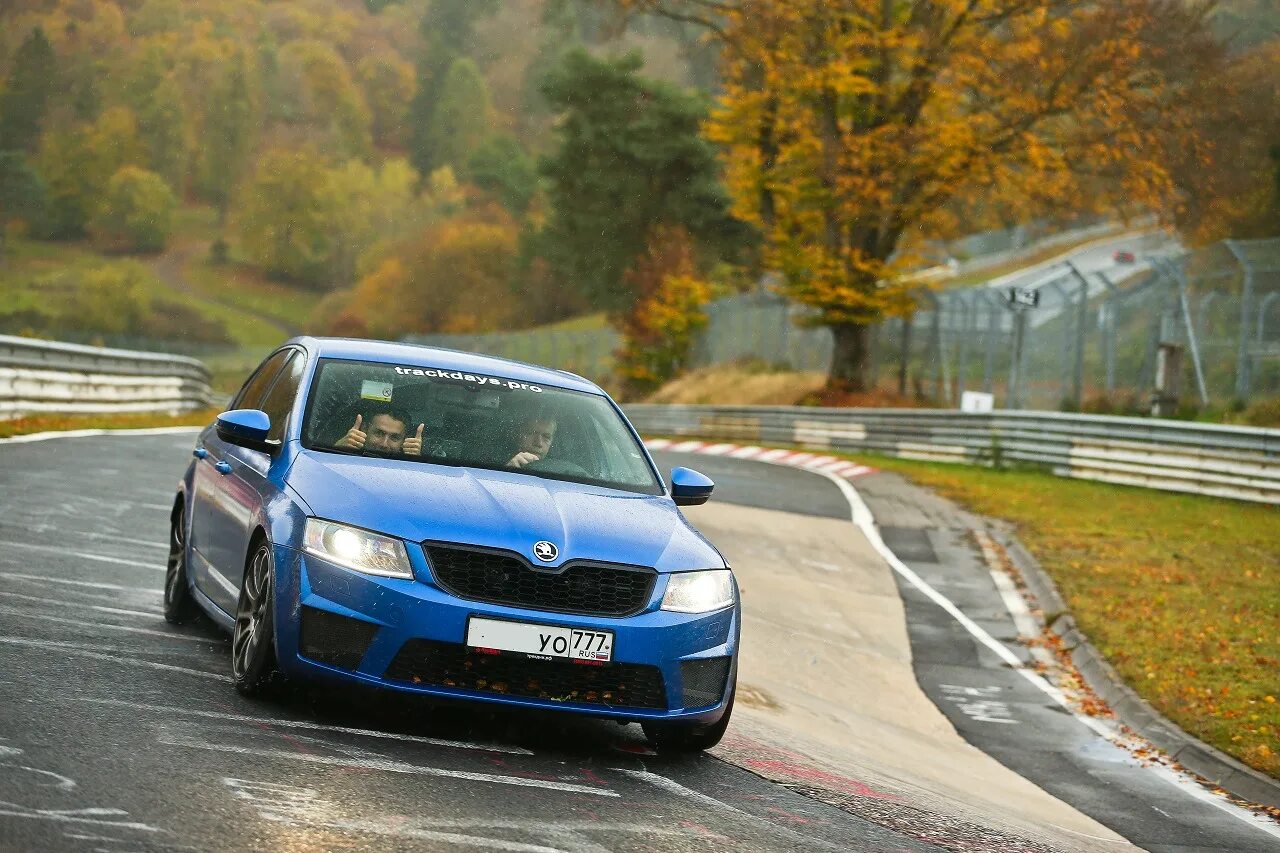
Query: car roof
<point x="418" y="355"/>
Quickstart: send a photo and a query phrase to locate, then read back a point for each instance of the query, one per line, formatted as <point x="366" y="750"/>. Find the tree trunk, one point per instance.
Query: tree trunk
<point x="851" y="356"/>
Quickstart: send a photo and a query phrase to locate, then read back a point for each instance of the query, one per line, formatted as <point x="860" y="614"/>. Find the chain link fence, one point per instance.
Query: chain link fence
<point x="1205" y="325"/>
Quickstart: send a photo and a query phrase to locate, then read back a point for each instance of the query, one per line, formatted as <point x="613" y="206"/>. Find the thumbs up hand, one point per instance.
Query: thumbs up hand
<point x="354" y="439"/>
<point x="413" y="446"/>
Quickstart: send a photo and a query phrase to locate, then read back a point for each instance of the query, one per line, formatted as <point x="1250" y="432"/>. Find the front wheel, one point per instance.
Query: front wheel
<point x="686" y="737"/>
<point x="179" y="606"/>
<point x="253" y="644"/>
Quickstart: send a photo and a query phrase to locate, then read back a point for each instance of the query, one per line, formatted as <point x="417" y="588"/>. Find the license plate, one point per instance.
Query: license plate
<point x="543" y="641"/>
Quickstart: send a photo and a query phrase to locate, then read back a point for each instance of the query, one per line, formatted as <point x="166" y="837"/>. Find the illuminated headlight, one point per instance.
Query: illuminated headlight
<point x="357" y="549"/>
<point x="699" y="592"/>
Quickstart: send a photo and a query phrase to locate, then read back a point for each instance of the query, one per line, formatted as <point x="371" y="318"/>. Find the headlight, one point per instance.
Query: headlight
<point x="699" y="592"/>
<point x="357" y="549"/>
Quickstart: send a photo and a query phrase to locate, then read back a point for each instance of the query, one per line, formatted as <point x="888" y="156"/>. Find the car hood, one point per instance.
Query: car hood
<point x="420" y="501"/>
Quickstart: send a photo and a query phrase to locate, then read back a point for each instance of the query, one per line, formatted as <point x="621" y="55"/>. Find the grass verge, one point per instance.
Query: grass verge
<point x="142" y="420"/>
<point x="1181" y="593"/>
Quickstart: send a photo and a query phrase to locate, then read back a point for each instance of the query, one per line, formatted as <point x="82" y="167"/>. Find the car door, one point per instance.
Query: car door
<point x="220" y="499"/>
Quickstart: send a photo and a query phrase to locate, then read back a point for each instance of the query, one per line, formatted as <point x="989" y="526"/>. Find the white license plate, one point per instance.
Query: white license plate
<point x="552" y="641"/>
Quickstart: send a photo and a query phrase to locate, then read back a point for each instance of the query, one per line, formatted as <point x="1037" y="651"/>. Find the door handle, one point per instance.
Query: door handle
<point x="199" y="453"/>
<point x="223" y="467"/>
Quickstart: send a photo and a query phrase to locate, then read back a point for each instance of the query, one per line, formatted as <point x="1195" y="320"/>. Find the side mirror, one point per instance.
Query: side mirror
<point x="689" y="488"/>
<point x="247" y="428"/>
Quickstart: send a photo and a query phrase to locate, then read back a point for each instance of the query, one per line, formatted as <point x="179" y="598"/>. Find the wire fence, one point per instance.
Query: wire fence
<point x="1203" y="325"/>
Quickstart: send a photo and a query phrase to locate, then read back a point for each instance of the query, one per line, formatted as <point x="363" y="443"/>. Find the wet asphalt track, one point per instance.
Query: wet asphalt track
<point x="120" y="733"/>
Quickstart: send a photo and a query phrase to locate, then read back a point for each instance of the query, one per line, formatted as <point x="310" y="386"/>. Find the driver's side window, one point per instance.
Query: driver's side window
<point x="250" y="396"/>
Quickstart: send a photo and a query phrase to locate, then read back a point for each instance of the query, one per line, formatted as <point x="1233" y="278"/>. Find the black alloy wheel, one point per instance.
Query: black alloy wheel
<point x="253" y="644"/>
<point x="179" y="606"/>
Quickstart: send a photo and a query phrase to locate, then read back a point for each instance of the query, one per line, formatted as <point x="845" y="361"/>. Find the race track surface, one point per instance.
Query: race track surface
<point x="122" y="733"/>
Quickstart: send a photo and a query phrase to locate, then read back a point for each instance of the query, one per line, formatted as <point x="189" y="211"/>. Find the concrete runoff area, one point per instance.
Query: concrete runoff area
<point x="826" y="672"/>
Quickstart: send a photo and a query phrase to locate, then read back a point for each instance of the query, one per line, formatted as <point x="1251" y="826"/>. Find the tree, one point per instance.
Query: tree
<point x="658" y="330"/>
<point x="22" y="192"/>
<point x="460" y="121"/>
<point x="228" y="135"/>
<point x="848" y="124"/>
<point x="630" y="159"/>
<point x="502" y="167"/>
<point x="448" y="32"/>
<point x="284" y="226"/>
<point x="136" y="213"/>
<point x="25" y="98"/>
<point x="76" y="161"/>
<point x="157" y="102"/>
<point x="387" y="82"/>
<point x="328" y="103"/>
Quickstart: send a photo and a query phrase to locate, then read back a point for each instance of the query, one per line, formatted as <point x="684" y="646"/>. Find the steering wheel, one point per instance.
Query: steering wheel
<point x="559" y="466"/>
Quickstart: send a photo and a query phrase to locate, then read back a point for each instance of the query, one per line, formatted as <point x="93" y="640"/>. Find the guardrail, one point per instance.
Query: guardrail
<point x="1242" y="463"/>
<point x="46" y="376"/>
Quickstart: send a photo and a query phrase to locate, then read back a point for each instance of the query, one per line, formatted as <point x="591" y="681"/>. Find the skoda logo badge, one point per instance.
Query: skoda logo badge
<point x="544" y="551"/>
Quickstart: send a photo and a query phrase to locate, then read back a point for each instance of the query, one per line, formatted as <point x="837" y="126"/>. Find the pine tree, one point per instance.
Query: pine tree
<point x="460" y="121"/>
<point x="26" y="96"/>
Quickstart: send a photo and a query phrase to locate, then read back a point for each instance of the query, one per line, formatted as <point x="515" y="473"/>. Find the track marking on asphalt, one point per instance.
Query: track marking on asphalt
<point x="865" y="521"/>
<point x="14" y="611"/>
<point x="87" y="651"/>
<point x="89" y="584"/>
<point x="89" y="433"/>
<point x="295" y="805"/>
<point x="305" y="724"/>
<point x="674" y="787"/>
<point x="51" y="549"/>
<point x="118" y="611"/>
<point x="374" y="763"/>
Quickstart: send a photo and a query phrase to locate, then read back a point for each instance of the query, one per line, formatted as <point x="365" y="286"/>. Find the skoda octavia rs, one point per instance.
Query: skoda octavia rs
<point x="459" y="526"/>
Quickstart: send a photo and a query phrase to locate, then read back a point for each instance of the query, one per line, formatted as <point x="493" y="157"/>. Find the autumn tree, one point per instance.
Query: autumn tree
<point x="847" y="124"/>
<point x="136" y="211"/>
<point x="76" y="161"/>
<point x="157" y="101"/>
<point x="630" y="160"/>
<point x="228" y="134"/>
<point x="21" y="192"/>
<point x="460" y="120"/>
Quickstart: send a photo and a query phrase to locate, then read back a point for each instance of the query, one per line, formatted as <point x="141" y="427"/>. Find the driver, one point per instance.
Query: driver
<point x="533" y="440"/>
<point x="382" y="429"/>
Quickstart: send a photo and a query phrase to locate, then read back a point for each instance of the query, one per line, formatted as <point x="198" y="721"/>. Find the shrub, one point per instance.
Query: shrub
<point x="137" y="211"/>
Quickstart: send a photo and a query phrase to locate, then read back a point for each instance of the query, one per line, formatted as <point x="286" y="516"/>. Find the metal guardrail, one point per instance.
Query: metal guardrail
<point x="1241" y="463"/>
<point x="46" y="376"/>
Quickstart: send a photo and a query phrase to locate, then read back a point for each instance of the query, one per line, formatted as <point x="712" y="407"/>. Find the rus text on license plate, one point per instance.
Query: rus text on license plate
<point x="540" y="640"/>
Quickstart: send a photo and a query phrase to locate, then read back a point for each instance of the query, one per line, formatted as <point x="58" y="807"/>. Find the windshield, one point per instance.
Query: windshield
<point x="449" y="417"/>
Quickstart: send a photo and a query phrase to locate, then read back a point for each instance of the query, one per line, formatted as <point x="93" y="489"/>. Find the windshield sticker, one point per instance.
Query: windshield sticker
<point x="370" y="390"/>
<point x="469" y="378"/>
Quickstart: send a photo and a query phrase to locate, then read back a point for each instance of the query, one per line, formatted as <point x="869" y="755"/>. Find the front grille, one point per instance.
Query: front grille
<point x="622" y="685"/>
<point x="704" y="681"/>
<point x="336" y="640"/>
<point x="587" y="588"/>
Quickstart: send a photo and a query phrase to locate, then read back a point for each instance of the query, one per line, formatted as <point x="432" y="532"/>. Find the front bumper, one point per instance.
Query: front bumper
<point x="335" y="624"/>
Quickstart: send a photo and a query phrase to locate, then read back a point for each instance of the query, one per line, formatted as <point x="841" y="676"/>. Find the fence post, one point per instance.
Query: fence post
<point x="1185" y="309"/>
<point x="1108" y="330"/>
<point x="1014" y="395"/>
<point x="1243" y="380"/>
<point x="1066" y="335"/>
<point x="967" y="328"/>
<point x="1262" y="315"/>
<point x="905" y="351"/>
<point x="1077" y="376"/>
<point x="995" y="326"/>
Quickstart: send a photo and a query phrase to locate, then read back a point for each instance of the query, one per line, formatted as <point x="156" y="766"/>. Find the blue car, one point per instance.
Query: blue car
<point x="448" y="524"/>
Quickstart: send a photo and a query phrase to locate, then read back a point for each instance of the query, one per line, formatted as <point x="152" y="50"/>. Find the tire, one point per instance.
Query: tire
<point x="253" y="641"/>
<point x="688" y="738"/>
<point x="179" y="607"/>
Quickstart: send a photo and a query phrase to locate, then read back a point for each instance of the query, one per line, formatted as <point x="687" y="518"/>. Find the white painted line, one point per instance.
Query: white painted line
<point x="77" y="816"/>
<point x="390" y="766"/>
<point x="117" y="611"/>
<point x="84" y="433"/>
<point x="304" y="724"/>
<point x="657" y="443"/>
<point x="819" y="461"/>
<point x="89" y="584"/>
<point x="87" y="651"/>
<point x="772" y="455"/>
<point x="52" y="549"/>
<point x="42" y="617"/>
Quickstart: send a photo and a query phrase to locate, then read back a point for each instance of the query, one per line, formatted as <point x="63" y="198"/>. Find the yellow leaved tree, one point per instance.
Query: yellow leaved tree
<point x="849" y="125"/>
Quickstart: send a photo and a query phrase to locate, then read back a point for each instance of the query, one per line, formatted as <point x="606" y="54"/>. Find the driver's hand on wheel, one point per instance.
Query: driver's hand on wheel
<point x="354" y="439"/>
<point x="413" y="446"/>
<point x="522" y="459"/>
